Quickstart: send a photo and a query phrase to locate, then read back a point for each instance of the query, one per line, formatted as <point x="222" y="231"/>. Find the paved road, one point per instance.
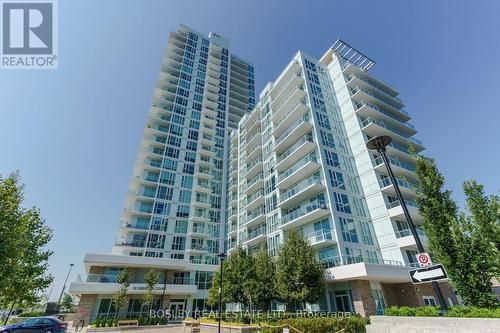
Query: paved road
<point x="174" y="329"/>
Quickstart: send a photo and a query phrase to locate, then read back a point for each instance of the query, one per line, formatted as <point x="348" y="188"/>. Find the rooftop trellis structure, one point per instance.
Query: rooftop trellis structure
<point x="351" y="55"/>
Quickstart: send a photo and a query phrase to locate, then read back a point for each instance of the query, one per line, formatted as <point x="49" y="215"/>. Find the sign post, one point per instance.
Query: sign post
<point x="428" y="274"/>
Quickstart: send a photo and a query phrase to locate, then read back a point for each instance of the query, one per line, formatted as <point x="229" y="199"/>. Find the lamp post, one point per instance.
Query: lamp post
<point x="221" y="256"/>
<point x="379" y="143"/>
<point x="64" y="286"/>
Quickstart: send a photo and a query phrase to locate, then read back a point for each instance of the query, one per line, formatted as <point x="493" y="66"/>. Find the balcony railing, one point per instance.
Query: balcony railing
<point x="396" y="203"/>
<point x="254" y="234"/>
<point x="386" y="101"/>
<point x="378" y="161"/>
<point x="254" y="196"/>
<point x="407" y="232"/>
<point x="289" y="151"/>
<point x="131" y="244"/>
<point x="319" y="236"/>
<point x="299" y="187"/>
<point x="403" y="183"/>
<point x="257" y="212"/>
<point x="111" y="278"/>
<point x="380" y="123"/>
<point x="298" y="165"/>
<point x="316" y="204"/>
<point x="348" y="260"/>
<point x="359" y="105"/>
<point x="302" y="120"/>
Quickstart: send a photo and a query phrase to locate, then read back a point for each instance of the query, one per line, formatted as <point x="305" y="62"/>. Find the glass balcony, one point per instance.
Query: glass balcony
<point x="402" y="183"/>
<point x="291" y="150"/>
<point x="380" y="123"/>
<point x="305" y="119"/>
<point x="378" y="161"/>
<point x="303" y="210"/>
<point x="300" y="187"/>
<point x="320" y="236"/>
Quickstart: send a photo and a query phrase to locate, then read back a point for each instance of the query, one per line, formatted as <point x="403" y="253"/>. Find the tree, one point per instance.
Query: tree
<point x="67" y="302"/>
<point x="238" y="275"/>
<point x="299" y="276"/>
<point x="467" y="245"/>
<point x="120" y="297"/>
<point x="151" y="278"/>
<point x="265" y="288"/>
<point x="23" y="253"/>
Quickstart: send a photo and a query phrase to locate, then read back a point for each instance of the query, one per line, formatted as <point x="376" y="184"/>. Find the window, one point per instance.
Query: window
<point x="187" y="182"/>
<point x="165" y="193"/>
<point x="167" y="178"/>
<point x="181" y="226"/>
<point x="327" y="139"/>
<point x="172" y="152"/>
<point x="190" y="157"/>
<point x="179" y="243"/>
<point x="348" y="229"/>
<point x="188" y="168"/>
<point x="429" y="300"/>
<point x="170" y="164"/>
<point x="342" y="203"/>
<point x="185" y="196"/>
<point x="182" y="211"/>
<point x="336" y="179"/>
<point x="366" y="234"/>
<point x="332" y="159"/>
<point x="323" y="120"/>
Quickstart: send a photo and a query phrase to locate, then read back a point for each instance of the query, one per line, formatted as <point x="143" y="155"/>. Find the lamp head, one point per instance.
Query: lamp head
<point x="379" y="142"/>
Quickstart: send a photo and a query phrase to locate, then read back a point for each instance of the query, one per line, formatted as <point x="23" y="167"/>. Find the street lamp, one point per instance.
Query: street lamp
<point x="64" y="286"/>
<point x="379" y="143"/>
<point x="221" y="256"/>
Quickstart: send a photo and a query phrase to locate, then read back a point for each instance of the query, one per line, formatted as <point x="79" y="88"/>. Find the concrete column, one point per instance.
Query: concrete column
<point x="362" y="297"/>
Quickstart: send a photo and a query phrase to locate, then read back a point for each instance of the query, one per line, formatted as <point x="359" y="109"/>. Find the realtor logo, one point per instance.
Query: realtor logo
<point x="29" y="34"/>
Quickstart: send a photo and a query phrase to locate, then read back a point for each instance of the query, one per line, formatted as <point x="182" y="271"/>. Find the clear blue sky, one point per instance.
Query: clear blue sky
<point x="73" y="132"/>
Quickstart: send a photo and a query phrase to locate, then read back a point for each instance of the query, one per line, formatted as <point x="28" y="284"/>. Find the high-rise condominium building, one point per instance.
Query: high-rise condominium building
<point x="175" y="206"/>
<point x="299" y="162"/>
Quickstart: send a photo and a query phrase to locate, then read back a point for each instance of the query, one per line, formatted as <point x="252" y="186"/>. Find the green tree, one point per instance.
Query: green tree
<point x="238" y="277"/>
<point x="151" y="278"/>
<point x="265" y="288"/>
<point x="299" y="276"/>
<point x="120" y="297"/>
<point x="67" y="302"/>
<point x="466" y="244"/>
<point x="23" y="253"/>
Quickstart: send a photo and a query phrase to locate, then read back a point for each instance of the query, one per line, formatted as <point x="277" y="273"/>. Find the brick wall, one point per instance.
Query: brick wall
<point x="84" y="309"/>
<point x="408" y="294"/>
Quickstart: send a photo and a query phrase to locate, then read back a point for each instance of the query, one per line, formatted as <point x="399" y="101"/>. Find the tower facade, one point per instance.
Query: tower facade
<point x="300" y="163"/>
<point x="173" y="219"/>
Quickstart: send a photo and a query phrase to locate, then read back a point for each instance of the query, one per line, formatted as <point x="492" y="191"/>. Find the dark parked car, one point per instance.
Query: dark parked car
<point x="36" y="325"/>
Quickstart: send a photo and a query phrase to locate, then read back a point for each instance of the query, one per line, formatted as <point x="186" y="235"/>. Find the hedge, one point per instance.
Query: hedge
<point x="432" y="311"/>
<point x="142" y="321"/>
<point x="354" y="324"/>
<point x="31" y="314"/>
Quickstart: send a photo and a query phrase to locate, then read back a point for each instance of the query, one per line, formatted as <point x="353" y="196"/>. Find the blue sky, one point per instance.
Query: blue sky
<point x="73" y="132"/>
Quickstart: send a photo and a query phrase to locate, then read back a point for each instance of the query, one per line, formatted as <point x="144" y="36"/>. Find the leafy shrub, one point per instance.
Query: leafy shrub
<point x="432" y="311"/>
<point x="31" y="314"/>
<point x="473" y="312"/>
<point x="354" y="324"/>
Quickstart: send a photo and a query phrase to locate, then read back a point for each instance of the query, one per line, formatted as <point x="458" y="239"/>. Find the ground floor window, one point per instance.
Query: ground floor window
<point x="429" y="301"/>
<point x="341" y="301"/>
<point x="137" y="308"/>
<point x="106" y="308"/>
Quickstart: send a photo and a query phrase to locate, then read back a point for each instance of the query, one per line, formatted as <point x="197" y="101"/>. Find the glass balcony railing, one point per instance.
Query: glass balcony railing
<point x="374" y="85"/>
<point x="349" y="260"/>
<point x="303" y="210"/>
<point x="297" y="166"/>
<point x="252" y="164"/>
<point x="384" y="100"/>
<point x="407" y="232"/>
<point x="378" y="161"/>
<point x="254" y="196"/>
<point x="402" y="183"/>
<point x="302" y="120"/>
<point x="257" y="212"/>
<point x="254" y="234"/>
<point x="291" y="150"/>
<point x="380" y="123"/>
<point x="300" y="104"/>
<point x="299" y="187"/>
<point x="132" y="244"/>
<point x="319" y="236"/>
<point x="254" y="180"/>
<point x="375" y="107"/>
<point x="395" y="203"/>
<point x="112" y="278"/>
